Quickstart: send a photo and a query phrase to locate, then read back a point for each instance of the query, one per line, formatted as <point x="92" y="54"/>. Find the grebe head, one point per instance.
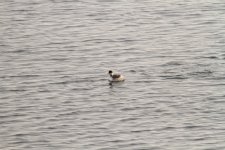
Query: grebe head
<point x="110" y="72"/>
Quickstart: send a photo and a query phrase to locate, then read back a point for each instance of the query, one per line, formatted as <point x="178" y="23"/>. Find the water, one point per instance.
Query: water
<point x="54" y="60"/>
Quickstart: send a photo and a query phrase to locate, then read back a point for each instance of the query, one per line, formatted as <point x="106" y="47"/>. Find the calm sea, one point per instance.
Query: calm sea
<point x="54" y="62"/>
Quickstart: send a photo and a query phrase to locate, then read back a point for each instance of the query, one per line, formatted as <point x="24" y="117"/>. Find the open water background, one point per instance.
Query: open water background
<point x="54" y="60"/>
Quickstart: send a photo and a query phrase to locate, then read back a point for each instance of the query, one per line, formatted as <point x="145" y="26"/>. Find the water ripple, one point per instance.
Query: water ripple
<point x="54" y="62"/>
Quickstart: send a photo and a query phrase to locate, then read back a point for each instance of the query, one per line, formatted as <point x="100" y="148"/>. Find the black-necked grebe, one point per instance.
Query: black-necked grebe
<point x="116" y="77"/>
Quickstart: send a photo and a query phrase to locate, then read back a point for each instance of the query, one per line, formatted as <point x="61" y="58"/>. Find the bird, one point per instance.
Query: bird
<point x="116" y="77"/>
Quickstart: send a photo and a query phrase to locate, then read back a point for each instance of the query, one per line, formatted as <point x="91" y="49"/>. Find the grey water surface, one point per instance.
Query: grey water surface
<point x="54" y="60"/>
